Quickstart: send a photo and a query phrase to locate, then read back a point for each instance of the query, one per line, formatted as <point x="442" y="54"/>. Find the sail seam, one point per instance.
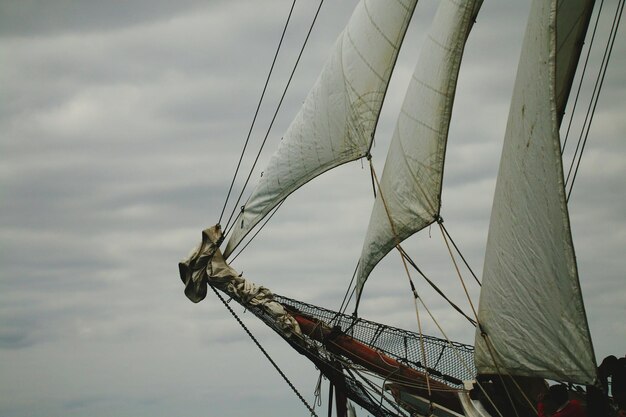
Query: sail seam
<point x="375" y="25"/>
<point x="458" y="4"/>
<point x="356" y="50"/>
<point x="440" y="45"/>
<point x="430" y="87"/>
<point x="420" y="122"/>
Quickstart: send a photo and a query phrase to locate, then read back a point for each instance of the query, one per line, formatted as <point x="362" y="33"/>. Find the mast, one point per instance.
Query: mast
<point x="531" y="314"/>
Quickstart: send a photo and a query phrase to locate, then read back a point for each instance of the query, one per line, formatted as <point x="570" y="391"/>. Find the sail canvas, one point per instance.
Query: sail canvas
<point x="531" y="314"/>
<point x="337" y="120"/>
<point x="409" y="197"/>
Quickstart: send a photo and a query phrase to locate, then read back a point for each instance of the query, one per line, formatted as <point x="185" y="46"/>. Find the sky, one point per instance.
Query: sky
<point x="120" y="128"/>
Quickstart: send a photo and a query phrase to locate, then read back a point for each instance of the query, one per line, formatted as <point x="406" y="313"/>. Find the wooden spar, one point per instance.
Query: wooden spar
<point x="405" y="378"/>
<point x="361" y="354"/>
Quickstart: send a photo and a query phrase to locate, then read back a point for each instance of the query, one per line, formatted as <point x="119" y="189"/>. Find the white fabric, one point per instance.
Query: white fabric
<point x="531" y="305"/>
<point x="206" y="265"/>
<point x="337" y="120"/>
<point x="411" y="181"/>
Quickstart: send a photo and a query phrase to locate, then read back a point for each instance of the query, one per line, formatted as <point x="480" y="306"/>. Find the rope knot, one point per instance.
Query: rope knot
<point x="482" y="330"/>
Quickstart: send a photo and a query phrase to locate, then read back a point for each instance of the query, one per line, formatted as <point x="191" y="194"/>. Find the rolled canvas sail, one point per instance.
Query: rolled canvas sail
<point x="338" y="118"/>
<point x="531" y="306"/>
<point x="410" y="189"/>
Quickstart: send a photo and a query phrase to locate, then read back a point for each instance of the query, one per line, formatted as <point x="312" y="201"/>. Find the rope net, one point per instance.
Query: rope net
<point x="361" y="386"/>
<point x="402" y="345"/>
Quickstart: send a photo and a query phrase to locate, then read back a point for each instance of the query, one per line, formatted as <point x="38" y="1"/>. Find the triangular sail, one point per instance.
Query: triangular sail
<point x="338" y="118"/>
<point x="410" y="189"/>
<point x="531" y="307"/>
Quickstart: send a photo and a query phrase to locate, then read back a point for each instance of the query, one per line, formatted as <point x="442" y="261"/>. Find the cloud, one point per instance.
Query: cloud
<point x="121" y="125"/>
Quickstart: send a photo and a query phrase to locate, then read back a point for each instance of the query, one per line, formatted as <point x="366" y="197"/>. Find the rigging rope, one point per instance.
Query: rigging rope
<point x="595" y="96"/>
<point x="459" y="252"/>
<point x="373" y="388"/>
<point x="407" y="258"/>
<point x="256" y="113"/>
<point x="408" y="274"/>
<point x="416" y="297"/>
<point x="469" y="299"/>
<point x="293" y="388"/>
<point x="432" y="284"/>
<point x="500" y="374"/>
<point x="258" y="231"/>
<point x="350" y="367"/>
<point x="275" y="114"/>
<point x="347" y="296"/>
<point x="582" y="76"/>
<point x="459" y="357"/>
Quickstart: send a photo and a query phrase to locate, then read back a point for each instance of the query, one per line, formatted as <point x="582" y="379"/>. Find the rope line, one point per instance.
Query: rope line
<point x="595" y="96"/>
<point x="256" y="113"/>
<point x="347" y="296"/>
<point x="469" y="299"/>
<point x="276" y="112"/>
<point x="432" y="284"/>
<point x="458" y="355"/>
<point x="256" y="342"/>
<point x="582" y="76"/>
<point x="493" y="358"/>
<point x="373" y="388"/>
<point x="459" y="252"/>
<point x="413" y="290"/>
<point x="350" y="367"/>
<point x="258" y="231"/>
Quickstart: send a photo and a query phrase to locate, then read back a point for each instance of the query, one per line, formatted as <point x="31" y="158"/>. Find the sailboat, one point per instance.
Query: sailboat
<point x="530" y="320"/>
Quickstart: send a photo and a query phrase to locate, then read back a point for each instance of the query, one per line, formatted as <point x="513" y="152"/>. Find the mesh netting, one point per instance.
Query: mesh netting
<point x="448" y="362"/>
<point x="445" y="360"/>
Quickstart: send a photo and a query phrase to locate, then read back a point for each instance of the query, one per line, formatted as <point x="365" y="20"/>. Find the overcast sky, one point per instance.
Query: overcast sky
<point x="120" y="128"/>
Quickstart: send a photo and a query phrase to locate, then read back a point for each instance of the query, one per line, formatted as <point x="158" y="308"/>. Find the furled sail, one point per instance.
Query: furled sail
<point x="531" y="313"/>
<point x="337" y="121"/>
<point x="410" y="187"/>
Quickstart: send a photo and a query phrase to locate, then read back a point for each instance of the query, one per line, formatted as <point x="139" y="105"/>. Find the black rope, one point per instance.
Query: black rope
<point x="432" y="284"/>
<point x="275" y="113"/>
<point x="372" y="174"/>
<point x="256" y="113"/>
<point x="440" y="221"/>
<point x="582" y="76"/>
<point x="599" y="82"/>
<point x="258" y="231"/>
<point x="372" y="387"/>
<point x="347" y="296"/>
<point x="330" y="398"/>
<point x="294" y="389"/>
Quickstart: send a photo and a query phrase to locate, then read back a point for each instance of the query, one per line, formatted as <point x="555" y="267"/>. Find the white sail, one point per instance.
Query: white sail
<point x="531" y="307"/>
<point x="410" y="189"/>
<point x="338" y="118"/>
